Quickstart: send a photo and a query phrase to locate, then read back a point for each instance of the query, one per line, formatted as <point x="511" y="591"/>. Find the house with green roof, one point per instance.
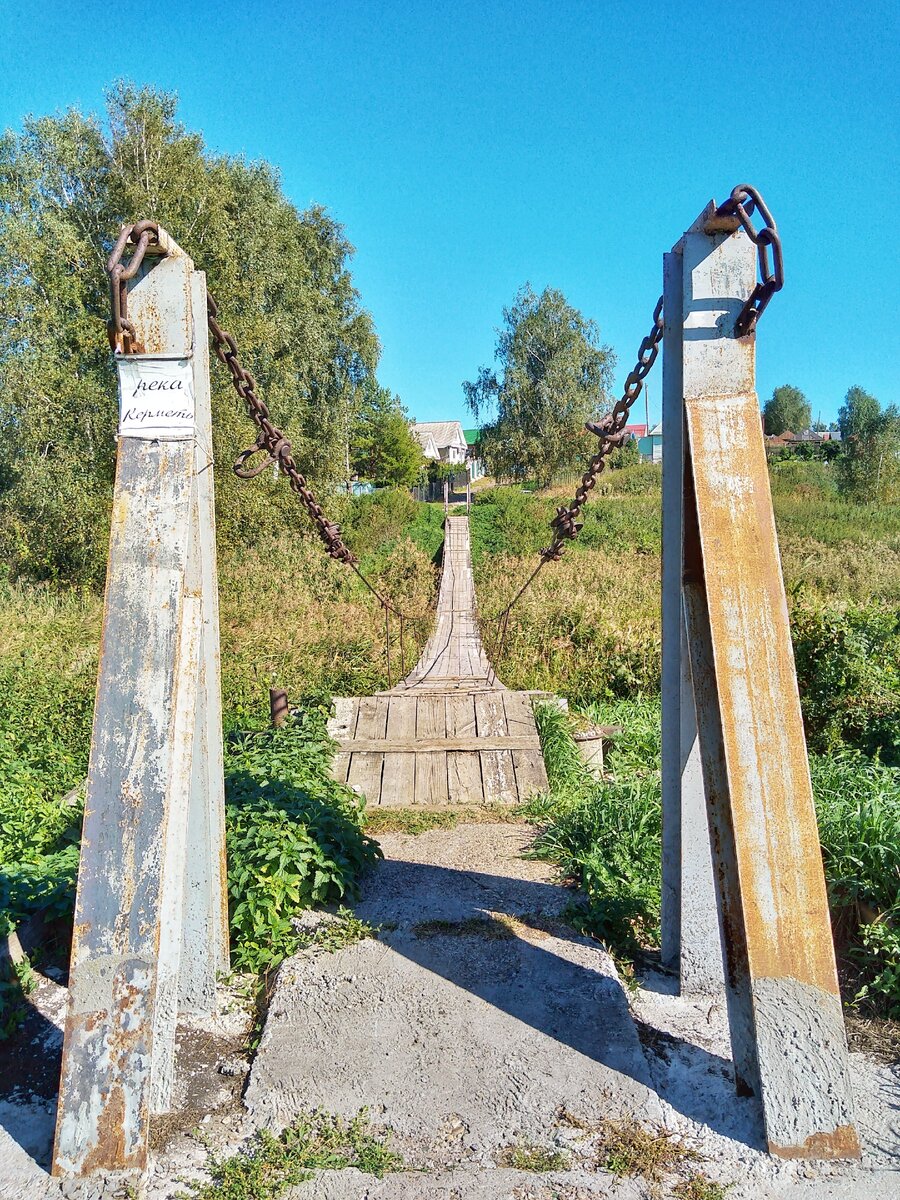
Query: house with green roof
<point x="473" y="455"/>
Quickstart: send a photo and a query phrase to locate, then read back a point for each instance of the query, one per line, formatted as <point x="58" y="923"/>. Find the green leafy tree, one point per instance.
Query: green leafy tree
<point x="627" y="455"/>
<point x="67" y="183"/>
<point x="868" y="468"/>
<point x="787" y="410"/>
<point x="551" y="374"/>
<point x="382" y="448"/>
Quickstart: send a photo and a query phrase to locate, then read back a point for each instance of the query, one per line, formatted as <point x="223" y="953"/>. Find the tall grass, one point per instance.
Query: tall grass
<point x="606" y="836"/>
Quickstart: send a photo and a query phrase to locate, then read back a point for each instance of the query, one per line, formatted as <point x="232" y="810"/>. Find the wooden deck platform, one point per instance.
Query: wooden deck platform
<point x="450" y="733"/>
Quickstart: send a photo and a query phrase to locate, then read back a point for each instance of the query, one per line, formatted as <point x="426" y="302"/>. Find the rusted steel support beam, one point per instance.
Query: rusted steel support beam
<point x="784" y="1007"/>
<point x="149" y="919"/>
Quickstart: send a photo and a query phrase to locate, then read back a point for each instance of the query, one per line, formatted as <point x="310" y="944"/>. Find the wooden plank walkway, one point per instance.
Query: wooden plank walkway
<point x="449" y="733"/>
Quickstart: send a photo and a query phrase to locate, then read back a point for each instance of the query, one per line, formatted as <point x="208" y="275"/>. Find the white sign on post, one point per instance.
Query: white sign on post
<point x="156" y="397"/>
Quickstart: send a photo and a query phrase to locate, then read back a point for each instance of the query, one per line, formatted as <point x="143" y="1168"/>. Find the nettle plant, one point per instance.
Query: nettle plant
<point x="295" y="837"/>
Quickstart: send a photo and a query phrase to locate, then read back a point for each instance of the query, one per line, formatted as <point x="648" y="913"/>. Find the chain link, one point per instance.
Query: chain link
<point x="742" y="203"/>
<point x="611" y="432"/>
<point x="142" y="236"/>
<point x="271" y="441"/>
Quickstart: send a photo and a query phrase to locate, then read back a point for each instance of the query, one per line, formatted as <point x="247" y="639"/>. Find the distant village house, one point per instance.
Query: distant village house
<point x="441" y="441"/>
<point x="649" y="440"/>
<point x="448" y="442"/>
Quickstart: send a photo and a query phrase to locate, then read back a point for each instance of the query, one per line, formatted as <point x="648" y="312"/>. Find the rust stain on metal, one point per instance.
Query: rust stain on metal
<point x="785" y="905"/>
<point x="839" y="1143"/>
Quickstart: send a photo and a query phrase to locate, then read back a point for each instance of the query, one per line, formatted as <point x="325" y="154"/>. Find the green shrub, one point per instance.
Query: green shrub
<point x="858" y="810"/>
<point x="46" y="886"/>
<point x="802" y="480"/>
<point x="372" y="524"/>
<point x="294" y="836"/>
<point x="878" y="955"/>
<point x="848" y="670"/>
<point x="605" y="835"/>
<point x="508" y="520"/>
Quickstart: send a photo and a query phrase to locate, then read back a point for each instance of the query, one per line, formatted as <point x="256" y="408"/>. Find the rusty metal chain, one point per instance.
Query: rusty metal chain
<point x="271" y="441"/>
<point x="611" y="432"/>
<point x="742" y="203"/>
<point x="142" y="236"/>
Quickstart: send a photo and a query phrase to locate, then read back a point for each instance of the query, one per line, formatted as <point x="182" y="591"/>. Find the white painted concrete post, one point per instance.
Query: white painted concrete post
<point x="149" y="922"/>
<point x="205" y="942"/>
<point x="784" y="1008"/>
<point x="691" y="943"/>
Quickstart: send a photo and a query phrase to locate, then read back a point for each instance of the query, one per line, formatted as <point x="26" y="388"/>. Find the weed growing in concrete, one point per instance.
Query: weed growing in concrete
<point x="628" y="1148"/>
<point x="525" y="1156"/>
<point x="266" y="1168"/>
<point x="700" y="1187"/>
<point x="336" y="933"/>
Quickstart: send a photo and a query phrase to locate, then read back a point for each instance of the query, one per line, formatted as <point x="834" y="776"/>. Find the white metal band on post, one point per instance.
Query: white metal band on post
<point x="784" y="1008"/>
<point x="150" y="928"/>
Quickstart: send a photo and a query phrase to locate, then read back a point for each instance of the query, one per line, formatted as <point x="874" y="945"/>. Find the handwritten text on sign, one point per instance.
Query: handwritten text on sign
<point x="156" y="398"/>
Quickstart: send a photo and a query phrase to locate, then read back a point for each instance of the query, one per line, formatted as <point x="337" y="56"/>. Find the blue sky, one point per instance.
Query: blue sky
<point x="468" y="148"/>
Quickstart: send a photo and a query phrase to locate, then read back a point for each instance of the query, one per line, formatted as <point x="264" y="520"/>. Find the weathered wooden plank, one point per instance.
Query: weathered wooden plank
<point x="464" y="784"/>
<point x="399" y="776"/>
<point x="461" y="716"/>
<point x="531" y="774"/>
<point x="366" y="767"/>
<point x="431" y="717"/>
<point x="497" y="772"/>
<point x="341" y="727"/>
<point x="490" y="714"/>
<point x="519" y="714"/>
<point x="373" y="715"/>
<point x="413" y="745"/>
<point x="499" y="777"/>
<point x="364" y="774"/>
<point x="431" y="778"/>
<point x="343" y="724"/>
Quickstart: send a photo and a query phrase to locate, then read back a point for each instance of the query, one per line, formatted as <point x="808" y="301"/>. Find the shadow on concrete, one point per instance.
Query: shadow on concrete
<point x="30" y="1062"/>
<point x="451" y="922"/>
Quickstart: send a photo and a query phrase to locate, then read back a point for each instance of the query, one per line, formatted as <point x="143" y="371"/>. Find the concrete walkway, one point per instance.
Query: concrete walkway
<point x="475" y="1018"/>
